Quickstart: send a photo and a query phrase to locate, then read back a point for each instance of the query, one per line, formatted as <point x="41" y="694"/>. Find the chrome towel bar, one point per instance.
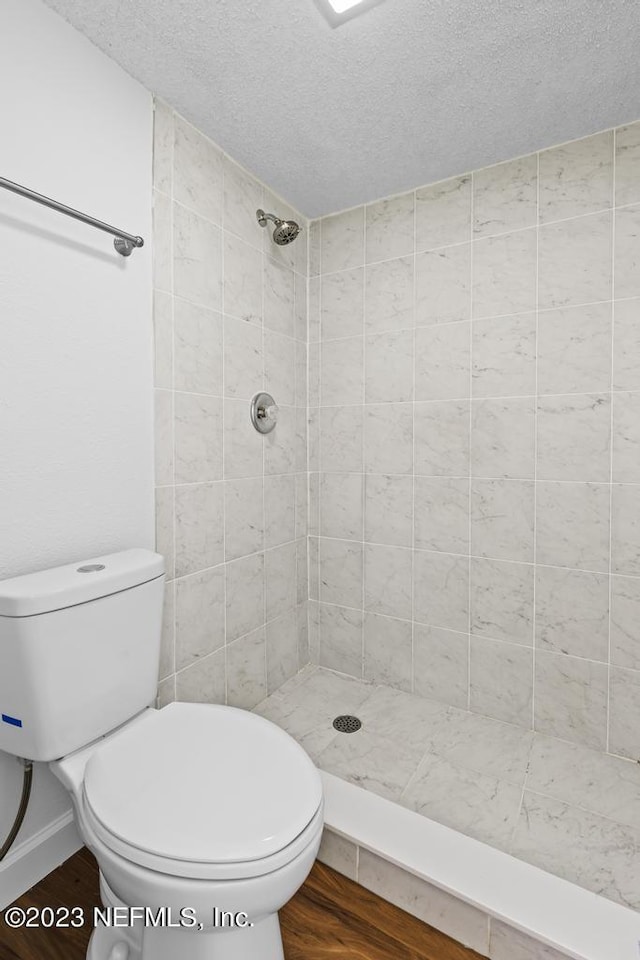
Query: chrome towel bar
<point x="124" y="242"/>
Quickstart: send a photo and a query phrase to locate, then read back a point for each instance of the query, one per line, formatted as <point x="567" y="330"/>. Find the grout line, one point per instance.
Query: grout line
<point x="534" y="612"/>
<point x="611" y="447"/>
<point x="470" y="461"/>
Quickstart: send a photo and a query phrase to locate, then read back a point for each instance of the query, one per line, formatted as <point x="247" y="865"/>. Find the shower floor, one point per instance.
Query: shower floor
<point x="569" y="810"/>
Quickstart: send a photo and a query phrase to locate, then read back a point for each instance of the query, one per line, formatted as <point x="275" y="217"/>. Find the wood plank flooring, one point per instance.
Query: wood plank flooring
<point x="329" y="918"/>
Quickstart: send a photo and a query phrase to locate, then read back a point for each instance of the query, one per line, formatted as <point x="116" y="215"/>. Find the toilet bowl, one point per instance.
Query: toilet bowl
<point x="204" y="819"/>
<point x="207" y="816"/>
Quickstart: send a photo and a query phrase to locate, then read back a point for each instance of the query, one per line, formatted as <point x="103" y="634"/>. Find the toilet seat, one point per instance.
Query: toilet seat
<point x="200" y="790"/>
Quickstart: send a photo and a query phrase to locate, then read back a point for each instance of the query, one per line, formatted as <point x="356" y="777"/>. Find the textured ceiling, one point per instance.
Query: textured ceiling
<point x="410" y="92"/>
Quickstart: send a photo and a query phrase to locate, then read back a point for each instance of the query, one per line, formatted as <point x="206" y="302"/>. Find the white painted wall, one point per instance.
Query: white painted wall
<point x="76" y="447"/>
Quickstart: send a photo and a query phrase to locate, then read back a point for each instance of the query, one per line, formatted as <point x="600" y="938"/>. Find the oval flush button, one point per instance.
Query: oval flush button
<point x="91" y="568"/>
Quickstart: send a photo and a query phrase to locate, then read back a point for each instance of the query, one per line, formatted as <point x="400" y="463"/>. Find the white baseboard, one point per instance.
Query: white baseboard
<point x="32" y="860"/>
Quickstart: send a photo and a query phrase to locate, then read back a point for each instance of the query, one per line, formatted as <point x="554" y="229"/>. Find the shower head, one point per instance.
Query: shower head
<point x="285" y="230"/>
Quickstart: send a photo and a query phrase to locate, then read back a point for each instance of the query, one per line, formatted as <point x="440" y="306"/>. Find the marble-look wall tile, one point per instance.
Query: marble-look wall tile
<point x="341" y="565"/>
<point x="442" y="285"/>
<point x="388" y="438"/>
<point x="164" y="527"/>
<point x="199" y="615"/>
<point x="424" y="901"/>
<point x="504" y="357"/>
<point x="441" y="438"/>
<point x="443" y="213"/>
<point x="574" y="349"/>
<point x="203" y="681"/>
<point x="571" y="699"/>
<point x="626" y="437"/>
<point x="441" y="514"/>
<point x="197" y="171"/>
<point x="387" y="580"/>
<point x="572" y="525"/>
<point x="340" y="638"/>
<point x="282" y="649"/>
<point x="509" y="944"/>
<point x="341" y="430"/>
<point x="282" y="501"/>
<point x="198" y="438"/>
<point x="389" y="228"/>
<point x="572" y="612"/>
<point x="246" y="670"/>
<point x="442" y="360"/>
<point x="242" y="280"/>
<point x="199" y="527"/>
<point x="388" y="514"/>
<point x="627" y="160"/>
<point x="162" y="242"/>
<point x="502" y="438"/>
<point x="280" y="580"/>
<point x="441" y="665"/>
<point x="388" y="651"/>
<point x="243" y="359"/>
<point x="162" y="339"/>
<point x="627" y="252"/>
<point x="388" y="295"/>
<point x="197" y="258"/>
<point x="504" y="274"/>
<point x="197" y="349"/>
<point x="574" y="438"/>
<point x="216" y="510"/>
<point x="278" y="297"/>
<point x="341" y="373"/>
<point x="245" y="595"/>
<point x="624" y="712"/>
<point x="339" y="854"/>
<point x="626" y="345"/>
<point x="502" y="519"/>
<point x="441" y="590"/>
<point x="244" y="517"/>
<point x="341" y="505"/>
<point x="505" y="196"/>
<point x="502" y="600"/>
<point x="625" y="529"/>
<point x="486" y="430"/>
<point x="162" y="147"/>
<point x="164" y="436"/>
<point x="168" y="639"/>
<point x="625" y="622"/>
<point x="501" y="681"/>
<point x="243" y="195"/>
<point x="342" y="241"/>
<point x="574" y="261"/>
<point x="341" y="304"/>
<point x="576" y="178"/>
<point x="389" y="367"/>
<point x="243" y="446"/>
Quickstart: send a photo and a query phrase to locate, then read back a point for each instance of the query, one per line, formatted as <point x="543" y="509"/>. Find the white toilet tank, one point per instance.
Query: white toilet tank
<point x="79" y="651"/>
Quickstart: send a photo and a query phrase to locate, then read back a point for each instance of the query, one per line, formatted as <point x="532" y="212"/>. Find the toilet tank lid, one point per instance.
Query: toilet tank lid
<point x="74" y="583"/>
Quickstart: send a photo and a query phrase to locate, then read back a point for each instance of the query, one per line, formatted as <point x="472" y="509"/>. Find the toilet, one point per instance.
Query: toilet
<point x="204" y="818"/>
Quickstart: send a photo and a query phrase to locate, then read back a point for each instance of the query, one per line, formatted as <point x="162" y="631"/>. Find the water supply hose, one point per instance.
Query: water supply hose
<point x="22" y="809"/>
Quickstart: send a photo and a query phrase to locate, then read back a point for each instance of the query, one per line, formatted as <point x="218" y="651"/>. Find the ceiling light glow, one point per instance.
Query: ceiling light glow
<point x="338" y="12"/>
<point x="341" y="6"/>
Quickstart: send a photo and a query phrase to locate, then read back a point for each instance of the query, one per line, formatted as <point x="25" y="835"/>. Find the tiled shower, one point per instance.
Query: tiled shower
<point x="442" y="534"/>
<point x="474" y="349"/>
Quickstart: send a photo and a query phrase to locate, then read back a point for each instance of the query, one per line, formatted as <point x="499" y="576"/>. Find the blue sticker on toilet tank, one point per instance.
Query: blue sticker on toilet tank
<point x="12" y="720"/>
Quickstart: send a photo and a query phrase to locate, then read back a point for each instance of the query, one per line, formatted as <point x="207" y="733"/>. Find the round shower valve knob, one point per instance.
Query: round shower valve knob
<point x="264" y="412"/>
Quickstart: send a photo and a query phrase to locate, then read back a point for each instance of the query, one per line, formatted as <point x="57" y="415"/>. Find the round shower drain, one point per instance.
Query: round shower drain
<point x="346" y="723"/>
